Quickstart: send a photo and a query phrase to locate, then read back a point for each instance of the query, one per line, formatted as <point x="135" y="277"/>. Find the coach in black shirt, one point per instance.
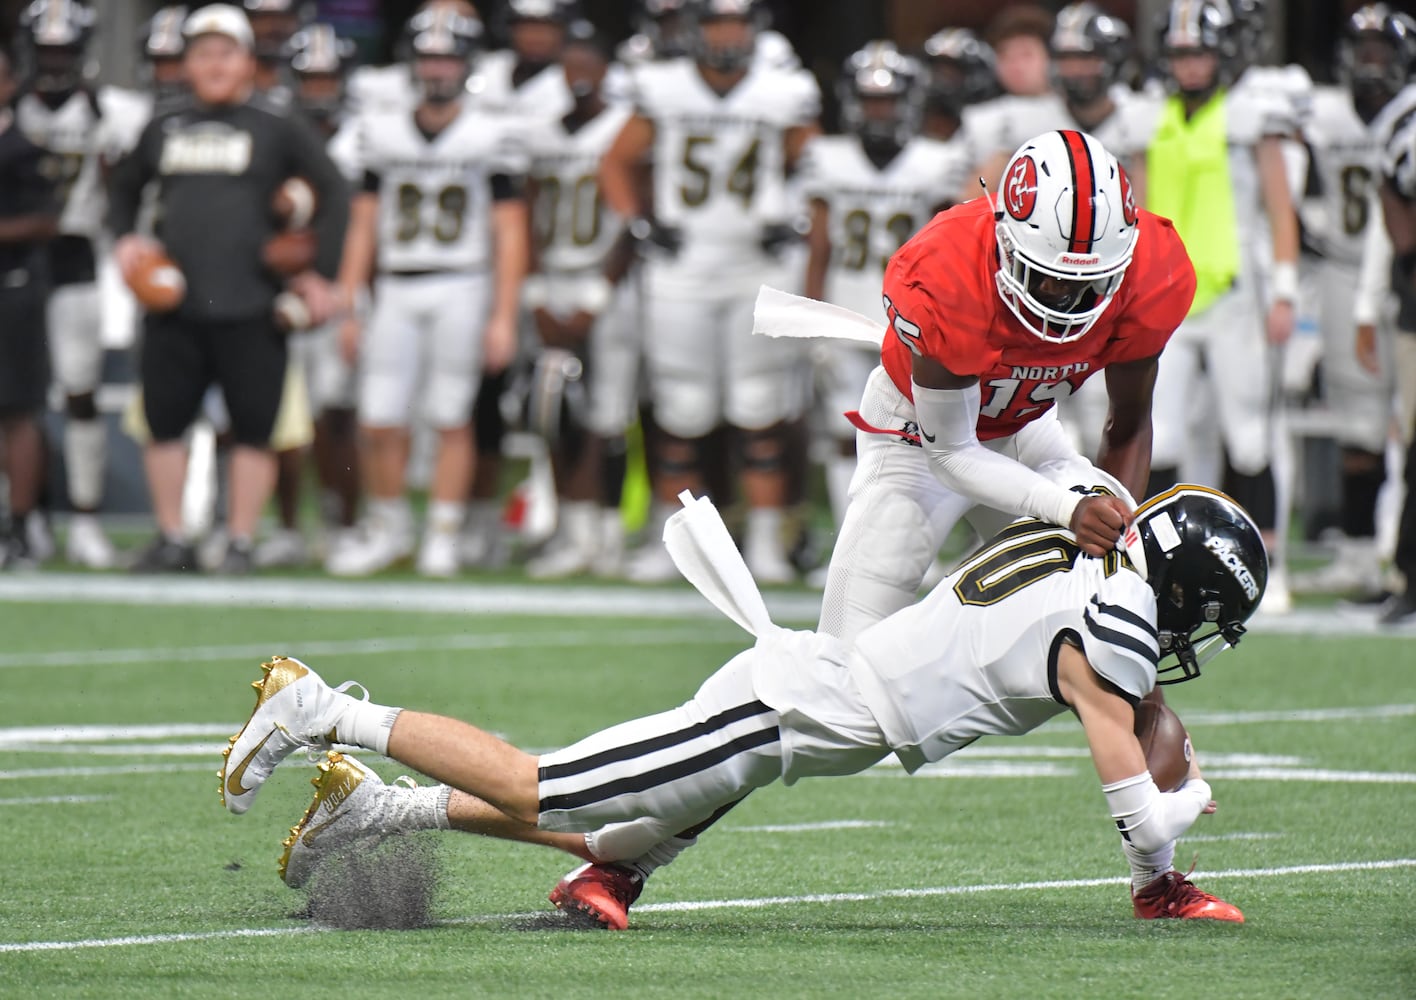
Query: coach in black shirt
<point x="217" y="163"/>
<point x="29" y="217"/>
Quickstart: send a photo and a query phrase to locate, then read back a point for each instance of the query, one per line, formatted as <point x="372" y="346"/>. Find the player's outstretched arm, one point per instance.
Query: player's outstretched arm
<point x="947" y="406"/>
<point x="1126" y="439"/>
<point x="1149" y="819"/>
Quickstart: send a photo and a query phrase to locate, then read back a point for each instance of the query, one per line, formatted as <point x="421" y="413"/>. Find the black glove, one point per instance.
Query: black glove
<point x="776" y="238"/>
<point x="654" y="240"/>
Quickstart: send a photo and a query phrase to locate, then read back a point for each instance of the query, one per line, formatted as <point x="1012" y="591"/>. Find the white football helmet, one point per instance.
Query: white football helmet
<point x="1067" y="228"/>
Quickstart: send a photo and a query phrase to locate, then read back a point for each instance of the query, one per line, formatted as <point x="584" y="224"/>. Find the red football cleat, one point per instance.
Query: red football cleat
<point x="603" y="893"/>
<point x="1173" y="896"/>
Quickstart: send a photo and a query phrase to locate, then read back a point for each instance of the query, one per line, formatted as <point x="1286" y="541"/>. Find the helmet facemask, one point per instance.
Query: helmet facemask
<point x="1059" y="304"/>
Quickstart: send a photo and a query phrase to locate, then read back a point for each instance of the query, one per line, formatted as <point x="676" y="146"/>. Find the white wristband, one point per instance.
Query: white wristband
<point x="1285" y="281"/>
<point x="535" y="292"/>
<point x="596" y="295"/>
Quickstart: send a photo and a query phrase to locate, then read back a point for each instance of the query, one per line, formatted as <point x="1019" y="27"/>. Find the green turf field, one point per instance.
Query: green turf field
<point x="997" y="876"/>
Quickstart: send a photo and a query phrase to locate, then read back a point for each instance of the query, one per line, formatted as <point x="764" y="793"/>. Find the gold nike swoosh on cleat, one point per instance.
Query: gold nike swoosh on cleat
<point x="233" y="779"/>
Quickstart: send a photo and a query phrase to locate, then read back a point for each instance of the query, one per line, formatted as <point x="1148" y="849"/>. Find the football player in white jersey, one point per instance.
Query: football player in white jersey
<point x="721" y="133"/>
<point x="1341" y="206"/>
<point x="584" y="315"/>
<point x="1215" y="167"/>
<point x="1028" y="105"/>
<point x="1024" y="631"/>
<point x="527" y="78"/>
<point x="274" y="23"/>
<point x="870" y="190"/>
<point x="1090" y="53"/>
<point x="77" y="125"/>
<point x="962" y="78"/>
<point x="319" y="61"/>
<point x="442" y="219"/>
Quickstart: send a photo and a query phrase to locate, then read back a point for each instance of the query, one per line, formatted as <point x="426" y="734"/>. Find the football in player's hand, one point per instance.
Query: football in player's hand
<point x="1165" y="742"/>
<point x="294" y="203"/>
<point x="289" y="253"/>
<point x="156" y="281"/>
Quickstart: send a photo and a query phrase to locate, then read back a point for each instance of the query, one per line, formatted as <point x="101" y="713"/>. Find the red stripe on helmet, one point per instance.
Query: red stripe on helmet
<point x="1083" y="192"/>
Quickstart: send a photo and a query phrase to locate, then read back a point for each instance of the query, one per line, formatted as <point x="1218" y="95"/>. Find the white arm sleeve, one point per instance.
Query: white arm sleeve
<point x="1148" y="818"/>
<point x="1375" y="278"/>
<point x="948" y="423"/>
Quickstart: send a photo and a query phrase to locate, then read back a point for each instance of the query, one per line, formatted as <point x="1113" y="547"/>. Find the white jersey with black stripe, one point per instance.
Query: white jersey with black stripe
<point x="1394" y="130"/>
<point x="978" y="655"/>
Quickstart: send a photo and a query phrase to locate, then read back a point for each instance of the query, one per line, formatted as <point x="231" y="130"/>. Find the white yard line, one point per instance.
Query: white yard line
<point x="103" y="772"/>
<point x="1211" y="838"/>
<point x="830" y="824"/>
<point x="55" y="800"/>
<point x="750" y="903"/>
<point x="1310" y="774"/>
<point x="541" y="639"/>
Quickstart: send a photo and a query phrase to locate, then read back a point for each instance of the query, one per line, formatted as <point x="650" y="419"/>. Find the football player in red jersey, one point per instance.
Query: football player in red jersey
<point x="999" y="308"/>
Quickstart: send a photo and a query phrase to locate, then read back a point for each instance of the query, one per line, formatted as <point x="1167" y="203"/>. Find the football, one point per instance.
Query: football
<point x="290" y="252"/>
<point x="157" y="283"/>
<point x="293" y="205"/>
<point x="1165" y="743"/>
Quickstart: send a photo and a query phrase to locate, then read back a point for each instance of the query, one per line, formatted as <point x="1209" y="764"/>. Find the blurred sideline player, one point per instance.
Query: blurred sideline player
<point x="584" y="317"/>
<point x="1028" y="105"/>
<point x="29" y="218"/>
<point x="1396" y="128"/>
<point x="1374" y="60"/>
<point x="524" y="80"/>
<point x="1090" y="54"/>
<point x="1215" y="166"/>
<point x="274" y="23"/>
<point x="1037" y="627"/>
<point x="391" y="87"/>
<point x="77" y="125"/>
<point x="870" y="190"/>
<point x="319" y="60"/>
<point x="442" y="216"/>
<point x="962" y="77"/>
<point x="721" y="131"/>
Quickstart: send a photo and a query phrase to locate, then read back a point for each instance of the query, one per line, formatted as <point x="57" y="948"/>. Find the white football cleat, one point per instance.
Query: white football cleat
<point x="294" y="708"/>
<point x="562" y="559"/>
<point x="287" y="547"/>
<point x="87" y="545"/>
<point x="345" y="810"/>
<point x="438" y="556"/>
<point x="650" y="564"/>
<point x="377" y="550"/>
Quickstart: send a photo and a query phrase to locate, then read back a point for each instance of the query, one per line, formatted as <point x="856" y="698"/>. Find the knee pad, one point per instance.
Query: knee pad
<point x="1255" y="493"/>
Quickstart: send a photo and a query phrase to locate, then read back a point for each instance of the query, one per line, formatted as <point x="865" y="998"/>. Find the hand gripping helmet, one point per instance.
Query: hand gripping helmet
<point x="1083" y="30"/>
<point x="880" y="73"/>
<point x="1067" y="226"/>
<point x="1204" y="558"/>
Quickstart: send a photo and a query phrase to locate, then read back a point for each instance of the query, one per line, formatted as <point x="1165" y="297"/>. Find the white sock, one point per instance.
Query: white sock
<point x="580" y="520"/>
<point x="413" y="809"/>
<point x="392" y="514"/>
<point x="1146" y="867"/>
<point x="85" y="451"/>
<point x="764" y="529"/>
<point x="365" y="724"/>
<point x="659" y="855"/>
<point x="446" y="517"/>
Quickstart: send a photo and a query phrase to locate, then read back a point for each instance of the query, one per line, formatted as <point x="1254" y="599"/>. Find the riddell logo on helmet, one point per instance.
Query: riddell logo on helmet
<point x="1079" y="260"/>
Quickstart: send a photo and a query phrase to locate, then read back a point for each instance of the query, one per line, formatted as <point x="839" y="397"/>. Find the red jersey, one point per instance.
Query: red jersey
<point x="942" y="301"/>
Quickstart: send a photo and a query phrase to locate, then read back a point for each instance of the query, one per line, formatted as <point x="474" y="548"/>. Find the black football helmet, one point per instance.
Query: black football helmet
<point x="442" y="31"/>
<point x="880" y="72"/>
<point x="1198" y="26"/>
<point x="1204" y="558"/>
<point x="1084" y="30"/>
<point x="320" y="61"/>
<point x="274" y="23"/>
<point x="662" y="23"/>
<point x="961" y="70"/>
<point x="1376" y="56"/>
<point x="162" y="45"/>
<point x="726" y="59"/>
<point x="54" y="37"/>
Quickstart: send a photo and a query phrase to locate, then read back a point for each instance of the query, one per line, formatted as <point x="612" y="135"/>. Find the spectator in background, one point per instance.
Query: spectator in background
<point x="28" y="220"/>
<point x="1028" y="106"/>
<point x="215" y="165"/>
